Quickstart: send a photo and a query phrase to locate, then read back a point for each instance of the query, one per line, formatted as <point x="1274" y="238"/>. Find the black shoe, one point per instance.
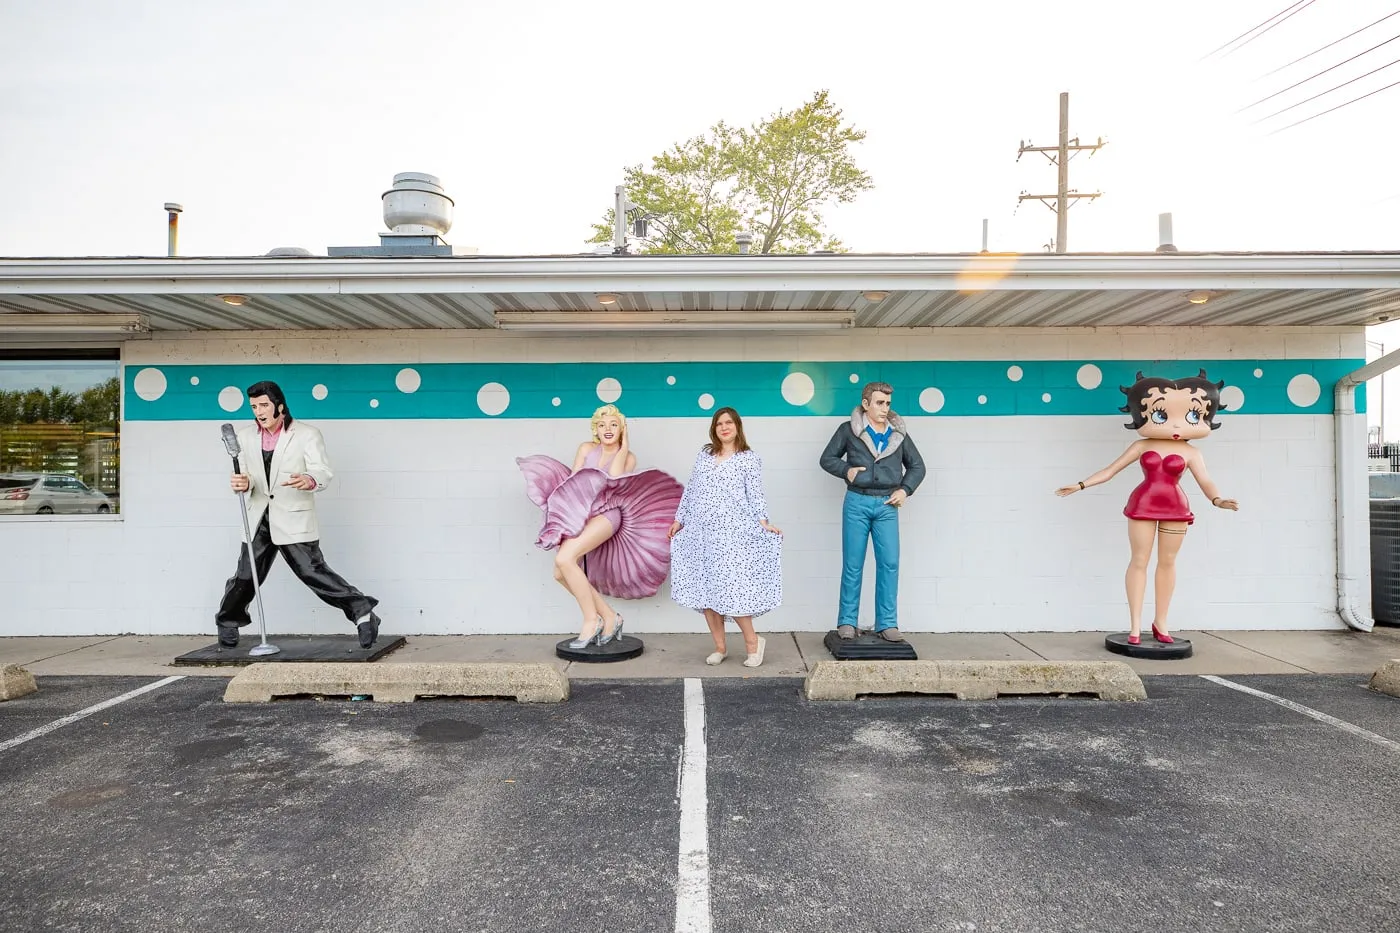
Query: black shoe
<point x="369" y="631"/>
<point x="228" y="634"/>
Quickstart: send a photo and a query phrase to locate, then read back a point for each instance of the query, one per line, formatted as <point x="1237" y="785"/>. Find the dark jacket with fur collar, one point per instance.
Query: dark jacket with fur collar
<point x="898" y="466"/>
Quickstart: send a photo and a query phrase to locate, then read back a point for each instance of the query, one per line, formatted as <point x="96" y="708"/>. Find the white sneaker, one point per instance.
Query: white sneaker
<point x="716" y="658"/>
<point x="755" y="659"/>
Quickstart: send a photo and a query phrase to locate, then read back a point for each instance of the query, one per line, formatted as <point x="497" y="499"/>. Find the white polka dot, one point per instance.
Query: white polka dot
<point x="798" y="388"/>
<point x="319" y="392"/>
<point x="931" y="400"/>
<point x="1014" y="374"/>
<point x="1303" y="390"/>
<point x="407" y="380"/>
<point x="707" y="401"/>
<point x="855" y="378"/>
<point x="231" y="398"/>
<point x="374" y="403"/>
<point x="670" y="380"/>
<point x="555" y="401"/>
<point x="149" y="384"/>
<point x="194" y="380"/>
<point x="609" y="390"/>
<point x="981" y="400"/>
<point x="493" y="398"/>
<point x="1258" y="373"/>
<point x="1045" y="397"/>
<point x="1232" y="398"/>
<point x="1089" y="376"/>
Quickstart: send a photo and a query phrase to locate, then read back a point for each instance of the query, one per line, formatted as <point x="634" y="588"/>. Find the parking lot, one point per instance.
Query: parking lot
<point x="1203" y="808"/>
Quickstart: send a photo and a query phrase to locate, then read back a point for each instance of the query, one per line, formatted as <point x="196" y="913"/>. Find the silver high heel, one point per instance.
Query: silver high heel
<point x="616" y="632"/>
<point x="578" y="644"/>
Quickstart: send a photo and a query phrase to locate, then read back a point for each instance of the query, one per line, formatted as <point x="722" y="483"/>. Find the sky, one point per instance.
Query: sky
<point x="280" y="124"/>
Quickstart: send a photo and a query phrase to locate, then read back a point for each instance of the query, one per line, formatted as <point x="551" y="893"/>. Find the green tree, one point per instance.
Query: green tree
<point x="772" y="180"/>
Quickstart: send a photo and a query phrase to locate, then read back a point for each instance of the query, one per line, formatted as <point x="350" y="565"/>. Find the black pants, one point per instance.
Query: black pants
<point x="306" y="562"/>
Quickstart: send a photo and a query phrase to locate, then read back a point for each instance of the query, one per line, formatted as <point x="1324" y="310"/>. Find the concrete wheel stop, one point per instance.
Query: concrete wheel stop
<point x="398" y="682"/>
<point x="622" y="648"/>
<point x="322" y="648"/>
<point x="1386" y="679"/>
<point x="974" y="680"/>
<point x="1150" y="649"/>
<point x="867" y="646"/>
<point x="15" y="682"/>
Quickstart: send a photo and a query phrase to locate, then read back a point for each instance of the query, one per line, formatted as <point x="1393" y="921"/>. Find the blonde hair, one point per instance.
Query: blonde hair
<point x="603" y="412"/>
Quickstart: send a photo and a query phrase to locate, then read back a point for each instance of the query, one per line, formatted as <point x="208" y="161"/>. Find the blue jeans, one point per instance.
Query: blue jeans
<point x="863" y="518"/>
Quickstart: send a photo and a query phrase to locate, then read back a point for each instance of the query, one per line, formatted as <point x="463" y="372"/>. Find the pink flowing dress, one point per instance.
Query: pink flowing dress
<point x="641" y="506"/>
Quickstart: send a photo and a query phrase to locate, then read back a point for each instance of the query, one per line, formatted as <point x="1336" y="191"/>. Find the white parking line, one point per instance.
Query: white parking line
<point x="84" y="713"/>
<point x="693" y="867"/>
<point x="1357" y="731"/>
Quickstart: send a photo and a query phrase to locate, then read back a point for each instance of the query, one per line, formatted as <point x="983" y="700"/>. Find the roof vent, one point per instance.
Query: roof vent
<point x="290" y="251"/>
<point x="417" y="205"/>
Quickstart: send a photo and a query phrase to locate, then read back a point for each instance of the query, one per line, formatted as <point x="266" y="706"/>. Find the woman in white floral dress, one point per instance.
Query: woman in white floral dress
<point x="726" y="560"/>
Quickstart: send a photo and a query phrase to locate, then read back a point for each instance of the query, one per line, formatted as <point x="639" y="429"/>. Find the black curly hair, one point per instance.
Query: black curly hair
<point x="1138" y="391"/>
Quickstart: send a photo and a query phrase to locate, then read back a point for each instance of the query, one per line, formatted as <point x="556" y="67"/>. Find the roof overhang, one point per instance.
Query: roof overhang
<point x="677" y="293"/>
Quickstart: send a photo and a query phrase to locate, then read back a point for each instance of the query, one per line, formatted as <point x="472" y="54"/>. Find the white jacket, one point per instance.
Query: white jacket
<point x="292" y="511"/>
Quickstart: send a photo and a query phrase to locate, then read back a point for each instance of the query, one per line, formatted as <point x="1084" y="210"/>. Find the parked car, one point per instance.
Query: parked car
<point x="49" y="494"/>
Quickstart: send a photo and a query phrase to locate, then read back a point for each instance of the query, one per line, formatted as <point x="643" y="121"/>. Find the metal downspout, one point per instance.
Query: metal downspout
<point x="1351" y="490"/>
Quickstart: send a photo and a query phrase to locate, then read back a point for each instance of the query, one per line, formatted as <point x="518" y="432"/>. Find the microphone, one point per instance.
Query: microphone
<point x="231" y="445"/>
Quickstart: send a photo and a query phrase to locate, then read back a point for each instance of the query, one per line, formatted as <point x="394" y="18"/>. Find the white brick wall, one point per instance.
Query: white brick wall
<point x="431" y="516"/>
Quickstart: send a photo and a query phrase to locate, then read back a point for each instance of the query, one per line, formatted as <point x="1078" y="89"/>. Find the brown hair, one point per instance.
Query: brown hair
<point x="741" y="444"/>
<point x="872" y="387"/>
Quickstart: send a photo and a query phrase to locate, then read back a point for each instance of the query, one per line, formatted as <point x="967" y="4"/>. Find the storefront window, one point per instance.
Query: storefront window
<point x="60" y="414"/>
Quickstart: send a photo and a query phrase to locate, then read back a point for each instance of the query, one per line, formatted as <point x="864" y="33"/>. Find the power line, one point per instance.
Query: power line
<point x="1319" y="74"/>
<point x="1338" y="107"/>
<point x="1299" y="4"/>
<point x="1328" y="45"/>
<point x="1328" y="91"/>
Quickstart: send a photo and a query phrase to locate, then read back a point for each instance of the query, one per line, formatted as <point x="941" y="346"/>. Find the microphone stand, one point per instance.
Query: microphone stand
<point x="263" y="649"/>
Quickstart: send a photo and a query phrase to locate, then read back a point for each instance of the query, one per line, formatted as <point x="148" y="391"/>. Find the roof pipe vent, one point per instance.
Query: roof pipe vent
<point x="1164" y="234"/>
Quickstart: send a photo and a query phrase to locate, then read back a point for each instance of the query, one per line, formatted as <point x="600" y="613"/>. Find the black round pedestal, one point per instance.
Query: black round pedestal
<point x="1151" y="649"/>
<point x="619" y="649"/>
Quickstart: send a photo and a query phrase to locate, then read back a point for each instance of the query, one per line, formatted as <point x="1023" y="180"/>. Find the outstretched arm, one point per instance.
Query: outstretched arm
<point x="1198" y="470"/>
<point x="1107" y="473"/>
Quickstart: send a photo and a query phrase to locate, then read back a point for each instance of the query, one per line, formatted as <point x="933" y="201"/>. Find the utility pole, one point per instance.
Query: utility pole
<point x="1064" y="197"/>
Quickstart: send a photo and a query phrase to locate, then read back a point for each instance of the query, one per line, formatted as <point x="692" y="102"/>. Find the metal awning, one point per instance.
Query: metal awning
<point x="663" y="293"/>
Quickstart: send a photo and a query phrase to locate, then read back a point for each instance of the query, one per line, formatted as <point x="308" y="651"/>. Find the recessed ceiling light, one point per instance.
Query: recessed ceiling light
<point x="1198" y="298"/>
<point x="607" y="299"/>
<point x="876" y="296"/>
<point x="234" y="300"/>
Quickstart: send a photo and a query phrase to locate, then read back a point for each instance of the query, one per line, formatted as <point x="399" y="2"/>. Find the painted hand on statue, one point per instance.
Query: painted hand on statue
<point x="1222" y="503"/>
<point x="239" y="482"/>
<point x="763" y="523"/>
<point x="675" y="530"/>
<point x="851" y="473"/>
<point x="897" y="498"/>
<point x="303" y="481"/>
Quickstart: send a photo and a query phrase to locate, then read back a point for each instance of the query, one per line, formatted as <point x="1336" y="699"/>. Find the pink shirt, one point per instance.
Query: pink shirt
<point x="269" y="442"/>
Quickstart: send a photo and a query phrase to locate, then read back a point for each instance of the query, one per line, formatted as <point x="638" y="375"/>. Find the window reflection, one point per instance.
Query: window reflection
<point x="60" y="417"/>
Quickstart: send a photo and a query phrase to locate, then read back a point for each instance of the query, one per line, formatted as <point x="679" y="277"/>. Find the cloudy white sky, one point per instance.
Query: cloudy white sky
<point x="280" y="124"/>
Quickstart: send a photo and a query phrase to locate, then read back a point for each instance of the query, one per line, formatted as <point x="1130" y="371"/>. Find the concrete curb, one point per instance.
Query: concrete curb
<point x="974" y="680"/>
<point x="1386" y="679"/>
<point x="398" y="682"/>
<point x="16" y="682"/>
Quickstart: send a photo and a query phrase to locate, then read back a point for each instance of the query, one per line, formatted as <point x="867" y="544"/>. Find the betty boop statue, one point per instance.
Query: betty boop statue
<point x="1168" y="414"/>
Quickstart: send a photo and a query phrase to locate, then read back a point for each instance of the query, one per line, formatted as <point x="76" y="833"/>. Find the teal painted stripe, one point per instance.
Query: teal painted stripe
<point x="949" y="388"/>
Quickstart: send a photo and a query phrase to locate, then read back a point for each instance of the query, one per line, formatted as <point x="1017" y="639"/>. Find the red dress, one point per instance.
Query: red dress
<point x="1159" y="498"/>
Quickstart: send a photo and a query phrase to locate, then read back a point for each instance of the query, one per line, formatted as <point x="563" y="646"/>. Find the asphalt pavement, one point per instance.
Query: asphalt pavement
<point x="1202" y="808"/>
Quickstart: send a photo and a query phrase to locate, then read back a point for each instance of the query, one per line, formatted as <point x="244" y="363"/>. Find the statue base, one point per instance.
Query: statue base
<point x="293" y="648"/>
<point x="867" y="646"/>
<point x="619" y="649"/>
<point x="1151" y="649"/>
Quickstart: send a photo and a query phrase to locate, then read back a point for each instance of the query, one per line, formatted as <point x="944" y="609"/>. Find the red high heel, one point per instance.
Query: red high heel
<point x="1134" y="639"/>
<point x="1164" y="639"/>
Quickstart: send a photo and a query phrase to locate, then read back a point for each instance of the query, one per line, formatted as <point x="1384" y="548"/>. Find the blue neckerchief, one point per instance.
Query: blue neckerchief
<point x="880" y="439"/>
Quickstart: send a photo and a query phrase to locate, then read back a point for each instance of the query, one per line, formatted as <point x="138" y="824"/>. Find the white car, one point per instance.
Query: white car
<point x="49" y="494"/>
